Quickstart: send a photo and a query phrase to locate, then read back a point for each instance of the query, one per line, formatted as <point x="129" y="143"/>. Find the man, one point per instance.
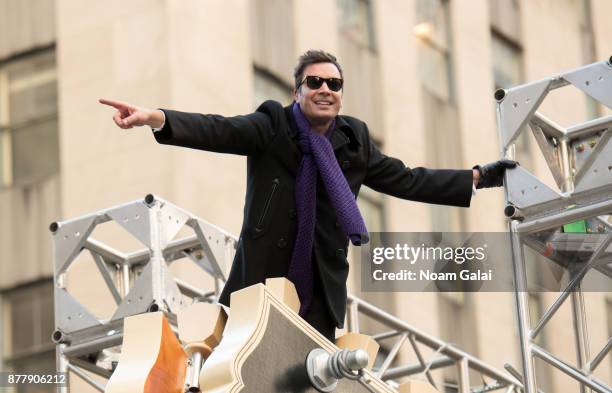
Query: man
<point x="305" y="167"/>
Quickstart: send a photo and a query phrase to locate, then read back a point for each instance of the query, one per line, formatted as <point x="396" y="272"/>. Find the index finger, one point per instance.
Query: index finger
<point x="114" y="104"/>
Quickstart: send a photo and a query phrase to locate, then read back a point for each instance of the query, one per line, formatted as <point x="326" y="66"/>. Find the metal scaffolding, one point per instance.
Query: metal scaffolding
<point x="141" y="281"/>
<point x="138" y="282"/>
<point x="571" y="225"/>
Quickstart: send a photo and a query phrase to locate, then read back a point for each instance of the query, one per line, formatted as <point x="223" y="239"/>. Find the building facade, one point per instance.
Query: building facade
<point x="421" y="73"/>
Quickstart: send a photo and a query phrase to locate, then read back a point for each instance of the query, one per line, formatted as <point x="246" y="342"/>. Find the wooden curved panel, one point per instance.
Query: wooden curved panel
<point x="264" y="349"/>
<point x="152" y="359"/>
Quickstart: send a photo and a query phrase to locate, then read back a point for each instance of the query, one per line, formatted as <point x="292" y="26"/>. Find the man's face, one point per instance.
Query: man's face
<point x="322" y="105"/>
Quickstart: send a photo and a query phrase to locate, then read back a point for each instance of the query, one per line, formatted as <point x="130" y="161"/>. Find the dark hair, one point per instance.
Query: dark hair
<point x="312" y="57"/>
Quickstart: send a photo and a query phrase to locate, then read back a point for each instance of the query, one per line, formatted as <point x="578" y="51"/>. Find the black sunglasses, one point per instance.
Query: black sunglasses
<point x="315" y="82"/>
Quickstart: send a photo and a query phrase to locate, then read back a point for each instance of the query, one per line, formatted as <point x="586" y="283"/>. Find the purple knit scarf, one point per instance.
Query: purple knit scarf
<point x="318" y="156"/>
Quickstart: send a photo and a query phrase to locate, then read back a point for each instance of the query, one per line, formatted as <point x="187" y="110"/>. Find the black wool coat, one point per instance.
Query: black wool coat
<point x="268" y="137"/>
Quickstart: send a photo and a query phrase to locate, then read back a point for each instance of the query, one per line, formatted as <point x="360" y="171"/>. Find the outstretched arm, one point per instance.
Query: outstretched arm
<point x="245" y="135"/>
<point x="440" y="186"/>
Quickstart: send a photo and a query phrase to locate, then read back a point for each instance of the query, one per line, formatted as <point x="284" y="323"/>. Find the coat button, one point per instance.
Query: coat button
<point x="282" y="243"/>
<point x="292" y="214"/>
<point x="346" y="165"/>
<point x="340" y="253"/>
<point x="337" y="224"/>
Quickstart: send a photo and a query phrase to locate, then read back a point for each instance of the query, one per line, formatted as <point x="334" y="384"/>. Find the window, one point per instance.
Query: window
<point x="360" y="63"/>
<point x="443" y="137"/>
<point x="355" y="21"/>
<point x="507" y="62"/>
<point x="26" y="24"/>
<point x="507" y="56"/>
<point x="505" y="18"/>
<point x="272" y="37"/>
<point x="433" y="45"/>
<point x="507" y="52"/>
<point x="269" y="87"/>
<point x="433" y="39"/>
<point x="27" y="327"/>
<point x="29" y="146"/>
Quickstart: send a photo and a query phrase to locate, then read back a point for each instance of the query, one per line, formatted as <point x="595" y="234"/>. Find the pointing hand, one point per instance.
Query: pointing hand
<point x="128" y="115"/>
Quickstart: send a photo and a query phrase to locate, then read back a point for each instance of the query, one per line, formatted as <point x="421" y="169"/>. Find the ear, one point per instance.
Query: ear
<point x="295" y="93"/>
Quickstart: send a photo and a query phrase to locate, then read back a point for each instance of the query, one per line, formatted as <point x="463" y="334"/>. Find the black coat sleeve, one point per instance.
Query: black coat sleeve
<point x="244" y="135"/>
<point x="440" y="186"/>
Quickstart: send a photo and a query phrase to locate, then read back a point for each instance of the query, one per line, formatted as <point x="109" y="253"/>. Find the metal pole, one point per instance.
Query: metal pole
<point x="600" y="356"/>
<point x="196" y="366"/>
<point x="568" y="184"/>
<point x="571" y="215"/>
<point x="217" y="286"/>
<point x="421" y="359"/>
<point x="580" y="332"/>
<point x="353" y="317"/>
<point x="522" y="308"/>
<point x="91" y="367"/>
<point x="395" y="323"/>
<point x="403" y="371"/>
<point x="94" y="345"/>
<point x="590" y="126"/>
<point x="125" y="276"/>
<point x="106" y="276"/>
<point x="62" y="366"/>
<point x="86" y="378"/>
<point x="385" y="335"/>
<point x="108" y="253"/>
<point x="392" y="354"/>
<point x="464" y="376"/>
<point x="2" y="333"/>
<point x="516" y="375"/>
<point x="544" y="122"/>
<point x="569" y="370"/>
<point x="157" y="259"/>
<point x="573" y="284"/>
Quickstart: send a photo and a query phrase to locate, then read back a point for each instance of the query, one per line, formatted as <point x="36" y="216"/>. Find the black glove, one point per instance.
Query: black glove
<point x="492" y="175"/>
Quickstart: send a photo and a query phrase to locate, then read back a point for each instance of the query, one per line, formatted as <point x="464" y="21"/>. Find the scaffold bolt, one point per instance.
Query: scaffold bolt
<point x="57" y="336"/>
<point x="149" y="199"/>
<point x="500" y="94"/>
<point x="54" y="227"/>
<point x="592" y="143"/>
<point x="580" y="148"/>
<point x="513" y="213"/>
